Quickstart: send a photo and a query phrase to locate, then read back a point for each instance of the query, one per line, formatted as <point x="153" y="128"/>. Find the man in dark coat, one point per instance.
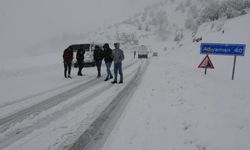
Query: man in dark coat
<point x="98" y="56"/>
<point x="67" y="60"/>
<point x="80" y="59"/>
<point x="108" y="58"/>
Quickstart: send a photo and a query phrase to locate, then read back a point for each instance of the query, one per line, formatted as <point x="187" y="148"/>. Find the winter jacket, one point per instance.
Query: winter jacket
<point x="108" y="58"/>
<point x="118" y="55"/>
<point x="98" y="54"/>
<point x="67" y="56"/>
<point x="80" y="55"/>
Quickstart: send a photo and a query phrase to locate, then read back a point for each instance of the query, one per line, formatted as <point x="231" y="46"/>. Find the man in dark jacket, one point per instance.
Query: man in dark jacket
<point x="98" y="56"/>
<point x="118" y="56"/>
<point x="80" y="59"/>
<point x="108" y="58"/>
<point x="67" y="60"/>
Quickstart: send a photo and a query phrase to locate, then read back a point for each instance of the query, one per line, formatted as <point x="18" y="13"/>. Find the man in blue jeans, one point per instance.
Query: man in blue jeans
<point x="108" y="58"/>
<point x="118" y="57"/>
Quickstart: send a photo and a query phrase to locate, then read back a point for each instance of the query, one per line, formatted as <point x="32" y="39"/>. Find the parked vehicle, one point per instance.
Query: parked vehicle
<point x="142" y="51"/>
<point x="89" y="57"/>
<point x="89" y="53"/>
<point x="155" y="54"/>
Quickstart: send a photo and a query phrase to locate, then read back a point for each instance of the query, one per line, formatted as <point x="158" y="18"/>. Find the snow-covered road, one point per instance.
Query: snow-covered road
<point x="76" y="103"/>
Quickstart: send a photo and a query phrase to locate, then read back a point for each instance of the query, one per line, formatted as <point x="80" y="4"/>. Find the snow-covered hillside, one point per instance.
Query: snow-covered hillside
<point x="51" y="31"/>
<point x="171" y="20"/>
<point x="177" y="107"/>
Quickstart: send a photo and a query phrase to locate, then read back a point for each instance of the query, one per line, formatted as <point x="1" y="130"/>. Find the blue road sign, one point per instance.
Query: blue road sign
<point x="223" y="49"/>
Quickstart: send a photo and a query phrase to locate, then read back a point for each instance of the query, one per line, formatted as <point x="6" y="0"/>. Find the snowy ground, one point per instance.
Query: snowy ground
<point x="40" y="109"/>
<point x="175" y="107"/>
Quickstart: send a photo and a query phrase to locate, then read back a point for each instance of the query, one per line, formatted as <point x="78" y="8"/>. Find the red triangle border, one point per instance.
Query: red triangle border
<point x="210" y="64"/>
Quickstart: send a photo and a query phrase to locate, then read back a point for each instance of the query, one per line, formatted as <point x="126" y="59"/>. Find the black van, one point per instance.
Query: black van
<point x="89" y="53"/>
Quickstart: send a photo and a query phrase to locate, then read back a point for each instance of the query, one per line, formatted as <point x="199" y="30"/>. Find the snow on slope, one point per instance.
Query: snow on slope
<point x="177" y="107"/>
<point x="162" y="21"/>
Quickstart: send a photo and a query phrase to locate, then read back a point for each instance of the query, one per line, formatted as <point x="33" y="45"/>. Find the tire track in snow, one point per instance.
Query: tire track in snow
<point x="38" y="94"/>
<point x="6" y="74"/>
<point x="11" y="120"/>
<point x="102" y="126"/>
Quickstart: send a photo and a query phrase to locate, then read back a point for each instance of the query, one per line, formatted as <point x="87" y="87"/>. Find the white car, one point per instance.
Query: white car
<point x="89" y="57"/>
<point x="142" y="52"/>
<point x="155" y="54"/>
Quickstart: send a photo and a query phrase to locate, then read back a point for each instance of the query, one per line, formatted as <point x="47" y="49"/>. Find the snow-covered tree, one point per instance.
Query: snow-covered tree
<point x="161" y="23"/>
<point x="144" y="17"/>
<point x="139" y="27"/>
<point x="127" y="38"/>
<point x="147" y="28"/>
<point x="178" y="35"/>
<point x="211" y="12"/>
<point x="181" y="7"/>
<point x="193" y="14"/>
<point x="214" y="10"/>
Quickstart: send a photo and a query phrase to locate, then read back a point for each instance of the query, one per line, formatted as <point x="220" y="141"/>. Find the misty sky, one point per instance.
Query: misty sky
<point x="28" y="21"/>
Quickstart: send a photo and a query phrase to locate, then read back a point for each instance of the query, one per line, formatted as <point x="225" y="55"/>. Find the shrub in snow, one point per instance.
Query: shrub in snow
<point x="139" y="27"/>
<point x="237" y="4"/>
<point x="192" y="16"/>
<point x="144" y="17"/>
<point x="160" y="21"/>
<point x="188" y="3"/>
<point x="215" y="10"/>
<point x="181" y="7"/>
<point x="147" y="28"/>
<point x="178" y="35"/>
<point x="211" y="12"/>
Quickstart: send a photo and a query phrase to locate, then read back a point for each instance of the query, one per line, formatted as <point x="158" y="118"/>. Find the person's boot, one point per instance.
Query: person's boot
<point x="114" y="82"/>
<point x="120" y="82"/>
<point x="106" y="79"/>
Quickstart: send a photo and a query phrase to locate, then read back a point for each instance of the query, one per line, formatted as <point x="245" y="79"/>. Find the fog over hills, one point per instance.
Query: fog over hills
<point x="36" y="27"/>
<point x="28" y="25"/>
<point x="171" y="20"/>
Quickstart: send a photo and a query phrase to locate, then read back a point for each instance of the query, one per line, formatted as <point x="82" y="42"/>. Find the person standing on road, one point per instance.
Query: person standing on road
<point x="108" y="58"/>
<point x="80" y="59"/>
<point x="98" y="56"/>
<point x="67" y="60"/>
<point x="118" y="57"/>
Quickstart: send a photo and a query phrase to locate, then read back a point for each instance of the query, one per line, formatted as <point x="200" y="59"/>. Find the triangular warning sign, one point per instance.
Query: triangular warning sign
<point x="206" y="63"/>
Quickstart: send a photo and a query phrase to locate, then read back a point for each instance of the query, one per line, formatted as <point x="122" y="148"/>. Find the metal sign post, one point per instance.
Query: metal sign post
<point x="234" y="67"/>
<point x="224" y="49"/>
